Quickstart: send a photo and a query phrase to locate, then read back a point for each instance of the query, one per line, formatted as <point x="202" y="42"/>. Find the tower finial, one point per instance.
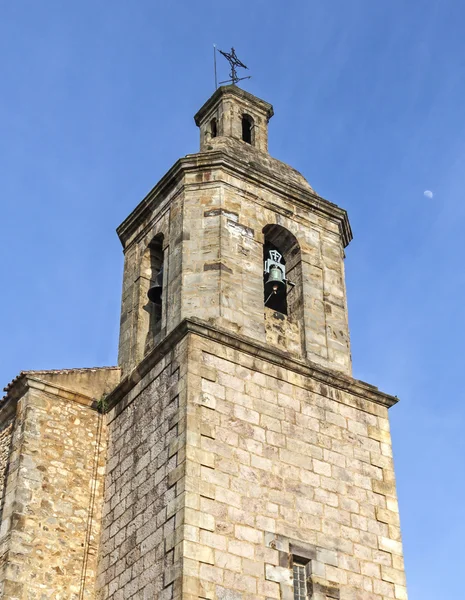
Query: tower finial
<point x="233" y="62"/>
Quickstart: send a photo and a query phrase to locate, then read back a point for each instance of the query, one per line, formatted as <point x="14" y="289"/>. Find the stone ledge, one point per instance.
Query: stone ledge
<point x="27" y="382"/>
<point x="233" y="90"/>
<point x="38" y="380"/>
<point x="223" y="159"/>
<point x="222" y="336"/>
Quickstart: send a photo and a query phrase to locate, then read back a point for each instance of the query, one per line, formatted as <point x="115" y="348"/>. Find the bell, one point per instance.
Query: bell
<point x="155" y="291"/>
<point x="275" y="283"/>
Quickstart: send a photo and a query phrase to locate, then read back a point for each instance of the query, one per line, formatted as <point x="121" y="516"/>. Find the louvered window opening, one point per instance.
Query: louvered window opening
<point x="300" y="582"/>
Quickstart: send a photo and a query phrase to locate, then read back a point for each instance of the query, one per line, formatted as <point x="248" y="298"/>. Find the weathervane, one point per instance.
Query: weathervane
<point x="234" y="62"/>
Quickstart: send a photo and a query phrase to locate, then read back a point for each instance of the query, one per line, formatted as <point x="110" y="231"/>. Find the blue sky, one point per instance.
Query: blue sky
<point x="97" y="103"/>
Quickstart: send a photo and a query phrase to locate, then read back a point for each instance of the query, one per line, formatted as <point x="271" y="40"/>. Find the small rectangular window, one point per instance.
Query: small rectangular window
<point x="300" y="581"/>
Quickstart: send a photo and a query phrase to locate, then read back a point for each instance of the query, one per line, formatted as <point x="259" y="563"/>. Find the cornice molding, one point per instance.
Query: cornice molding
<point x="25" y="382"/>
<point x="279" y="358"/>
<point x="232" y="90"/>
<point x="220" y="158"/>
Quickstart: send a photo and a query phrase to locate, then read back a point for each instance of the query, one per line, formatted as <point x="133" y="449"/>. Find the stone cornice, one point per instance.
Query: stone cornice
<point x="26" y="382"/>
<point x="219" y="158"/>
<point x="257" y="349"/>
<point x="233" y="90"/>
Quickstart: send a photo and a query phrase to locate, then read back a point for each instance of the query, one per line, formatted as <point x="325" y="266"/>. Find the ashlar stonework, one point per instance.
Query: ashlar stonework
<point x="232" y="455"/>
<point x="53" y="482"/>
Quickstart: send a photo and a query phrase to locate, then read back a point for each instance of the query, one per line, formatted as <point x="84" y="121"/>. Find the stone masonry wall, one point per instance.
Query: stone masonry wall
<point x="223" y="224"/>
<point x="228" y="112"/>
<point x="213" y="234"/>
<point x="166" y="219"/>
<point x="6" y="431"/>
<point x="280" y="464"/>
<point x="212" y="218"/>
<point x="48" y="539"/>
<point x="142" y="516"/>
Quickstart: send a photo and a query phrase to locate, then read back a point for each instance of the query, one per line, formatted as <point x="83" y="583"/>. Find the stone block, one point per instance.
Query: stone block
<point x="199" y="552"/>
<point x="278" y="574"/>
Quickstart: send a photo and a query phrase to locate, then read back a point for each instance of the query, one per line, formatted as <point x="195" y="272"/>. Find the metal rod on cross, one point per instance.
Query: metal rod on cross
<point x="214" y="63"/>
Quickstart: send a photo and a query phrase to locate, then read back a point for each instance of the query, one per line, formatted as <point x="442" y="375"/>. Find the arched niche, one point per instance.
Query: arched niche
<point x="213" y="128"/>
<point x="248" y="129"/>
<point x="284" y="315"/>
<point x="152" y="277"/>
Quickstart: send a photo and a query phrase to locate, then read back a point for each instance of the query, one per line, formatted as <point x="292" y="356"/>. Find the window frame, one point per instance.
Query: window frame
<point x="301" y="592"/>
<point x="248" y="120"/>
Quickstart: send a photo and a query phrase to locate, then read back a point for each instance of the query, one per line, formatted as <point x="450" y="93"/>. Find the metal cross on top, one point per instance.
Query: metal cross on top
<point x="234" y="62"/>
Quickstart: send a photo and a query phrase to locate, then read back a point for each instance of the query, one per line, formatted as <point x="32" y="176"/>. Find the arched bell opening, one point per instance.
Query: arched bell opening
<point x="248" y="127"/>
<point x="213" y="128"/>
<point x="282" y="270"/>
<point x="282" y="288"/>
<point x="153" y="287"/>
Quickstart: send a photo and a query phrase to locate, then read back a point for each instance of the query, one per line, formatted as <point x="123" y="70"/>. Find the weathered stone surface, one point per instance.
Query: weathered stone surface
<point x="52" y="493"/>
<point x="212" y="209"/>
<point x="246" y="498"/>
<point x="6" y="431"/>
<point x="147" y="506"/>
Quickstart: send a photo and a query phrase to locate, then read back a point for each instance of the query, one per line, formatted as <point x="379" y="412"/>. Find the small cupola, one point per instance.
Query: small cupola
<point x="234" y="113"/>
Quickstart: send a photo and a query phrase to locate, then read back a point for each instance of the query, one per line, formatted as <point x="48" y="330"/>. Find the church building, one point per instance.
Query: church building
<point x="230" y="455"/>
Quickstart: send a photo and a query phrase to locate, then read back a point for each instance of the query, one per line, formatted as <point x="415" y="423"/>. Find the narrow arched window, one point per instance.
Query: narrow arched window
<point x="283" y="290"/>
<point x="213" y="128"/>
<point x="282" y="271"/>
<point x="155" y="288"/>
<point x="247" y="129"/>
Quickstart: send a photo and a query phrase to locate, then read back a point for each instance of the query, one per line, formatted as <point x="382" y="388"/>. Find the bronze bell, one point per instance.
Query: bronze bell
<point x="155" y="291"/>
<point x="275" y="284"/>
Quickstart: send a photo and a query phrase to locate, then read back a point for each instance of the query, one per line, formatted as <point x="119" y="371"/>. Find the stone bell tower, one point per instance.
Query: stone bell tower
<point x="244" y="461"/>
